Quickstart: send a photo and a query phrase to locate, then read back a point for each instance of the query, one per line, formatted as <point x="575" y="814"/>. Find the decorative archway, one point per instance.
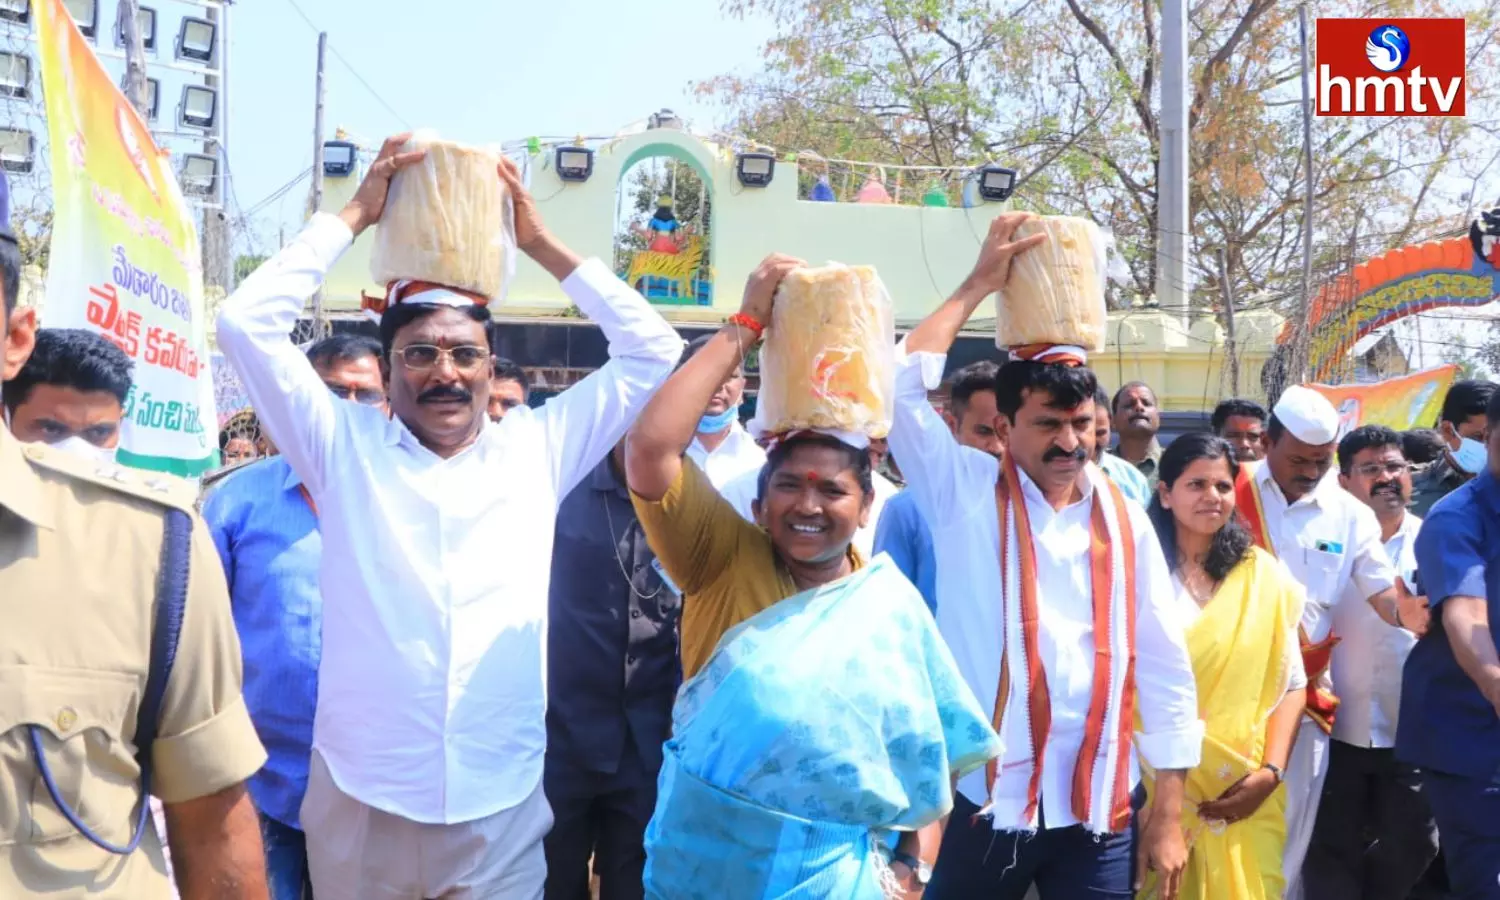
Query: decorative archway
<point x="1387" y="288"/>
<point x="669" y="261"/>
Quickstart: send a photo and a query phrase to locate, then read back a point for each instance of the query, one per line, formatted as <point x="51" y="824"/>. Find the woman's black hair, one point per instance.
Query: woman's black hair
<point x="858" y="460"/>
<point x="1231" y="545"/>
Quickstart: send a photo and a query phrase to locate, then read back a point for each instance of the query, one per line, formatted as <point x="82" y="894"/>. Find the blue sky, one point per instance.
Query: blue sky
<point x="476" y="70"/>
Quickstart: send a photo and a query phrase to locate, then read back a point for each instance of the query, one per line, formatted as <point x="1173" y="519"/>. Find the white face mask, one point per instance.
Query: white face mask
<point x="80" y="447"/>
<point x="1470" y="456"/>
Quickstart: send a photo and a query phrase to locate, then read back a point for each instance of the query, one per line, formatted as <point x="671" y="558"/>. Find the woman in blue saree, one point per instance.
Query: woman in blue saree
<point x="823" y="721"/>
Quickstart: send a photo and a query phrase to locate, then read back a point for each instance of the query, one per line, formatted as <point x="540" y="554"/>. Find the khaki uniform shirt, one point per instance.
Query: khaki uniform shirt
<point x="80" y="546"/>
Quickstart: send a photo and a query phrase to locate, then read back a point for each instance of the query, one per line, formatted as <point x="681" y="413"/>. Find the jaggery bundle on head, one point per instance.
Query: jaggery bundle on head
<point x="828" y="360"/>
<point x="1055" y="296"/>
<point x="448" y="221"/>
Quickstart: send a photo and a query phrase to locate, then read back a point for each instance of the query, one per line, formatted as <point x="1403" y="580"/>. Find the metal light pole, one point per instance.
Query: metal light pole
<point x="128" y="25"/>
<point x="1304" y="335"/>
<point x="1172" y="172"/>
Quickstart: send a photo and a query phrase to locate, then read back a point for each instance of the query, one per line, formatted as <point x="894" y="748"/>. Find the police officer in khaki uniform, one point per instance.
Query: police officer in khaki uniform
<point x="81" y="544"/>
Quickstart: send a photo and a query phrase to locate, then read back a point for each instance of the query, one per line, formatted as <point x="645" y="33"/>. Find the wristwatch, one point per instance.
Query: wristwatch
<point x="918" y="868"/>
<point x="1275" y="770"/>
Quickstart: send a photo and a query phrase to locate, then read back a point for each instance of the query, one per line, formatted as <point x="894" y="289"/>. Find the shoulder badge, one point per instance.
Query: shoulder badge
<point x="156" y="487"/>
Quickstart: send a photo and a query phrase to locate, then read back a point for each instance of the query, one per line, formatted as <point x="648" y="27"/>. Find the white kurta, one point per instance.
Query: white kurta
<point x="737" y="455"/>
<point x="1330" y="542"/>
<point x="955" y="490"/>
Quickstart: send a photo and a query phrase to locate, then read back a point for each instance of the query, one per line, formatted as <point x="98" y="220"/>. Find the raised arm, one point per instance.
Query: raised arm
<point x="587" y="420"/>
<point x="940" y="471"/>
<point x="255" y="324"/>
<point x="653" y="454"/>
<point x="938" y="331"/>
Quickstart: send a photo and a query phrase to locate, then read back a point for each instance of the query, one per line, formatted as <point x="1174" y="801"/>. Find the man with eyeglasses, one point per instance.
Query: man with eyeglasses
<point x="437" y="530"/>
<point x="1374" y="834"/>
<point x="265" y="527"/>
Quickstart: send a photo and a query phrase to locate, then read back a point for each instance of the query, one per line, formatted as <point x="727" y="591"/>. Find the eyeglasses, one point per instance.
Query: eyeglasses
<point x="1393" y="469"/>
<point x="466" y="359"/>
<point x="364" y="397"/>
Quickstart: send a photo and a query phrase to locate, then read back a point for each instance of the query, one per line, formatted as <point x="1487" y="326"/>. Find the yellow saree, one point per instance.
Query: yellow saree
<point x="1240" y="653"/>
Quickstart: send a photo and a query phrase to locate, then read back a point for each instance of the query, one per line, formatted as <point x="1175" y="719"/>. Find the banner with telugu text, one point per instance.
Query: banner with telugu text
<point x="1411" y="401"/>
<point x="124" y="258"/>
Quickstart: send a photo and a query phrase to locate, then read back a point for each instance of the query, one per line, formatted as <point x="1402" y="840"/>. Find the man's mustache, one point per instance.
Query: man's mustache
<point x="1391" y="488"/>
<point x="445" y="392"/>
<point x="1078" y="455"/>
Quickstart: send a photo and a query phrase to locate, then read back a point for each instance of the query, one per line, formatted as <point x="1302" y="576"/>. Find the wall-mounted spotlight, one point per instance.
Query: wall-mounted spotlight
<point x="574" y="163"/>
<point x="754" y="169"/>
<point x="339" y="158"/>
<point x="996" y="183"/>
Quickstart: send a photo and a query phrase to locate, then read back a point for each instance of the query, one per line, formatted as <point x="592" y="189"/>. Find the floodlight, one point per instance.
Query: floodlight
<point x="15" y="11"/>
<point x="574" y="163"/>
<point x="339" y="158"/>
<point x="17" y="150"/>
<point x="200" y="107"/>
<point x="145" y="23"/>
<point x="153" y="96"/>
<point x="996" y="182"/>
<point x="86" y="14"/>
<point x="754" y="169"/>
<point x="195" y="41"/>
<point x="198" y="175"/>
<point x="15" y="75"/>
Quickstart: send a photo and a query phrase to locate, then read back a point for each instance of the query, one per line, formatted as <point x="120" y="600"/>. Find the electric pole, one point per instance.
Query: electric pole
<point x="1303" y="340"/>
<point x="217" y="265"/>
<point x="317" y="167"/>
<point x="1172" y="171"/>
<point x="128" y="25"/>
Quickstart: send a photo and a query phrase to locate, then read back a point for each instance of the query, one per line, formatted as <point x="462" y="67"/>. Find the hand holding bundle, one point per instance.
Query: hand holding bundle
<point x="448" y="220"/>
<point x="828" y="363"/>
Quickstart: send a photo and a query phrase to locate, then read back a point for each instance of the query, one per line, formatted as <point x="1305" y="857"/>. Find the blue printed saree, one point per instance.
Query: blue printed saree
<point x="817" y="730"/>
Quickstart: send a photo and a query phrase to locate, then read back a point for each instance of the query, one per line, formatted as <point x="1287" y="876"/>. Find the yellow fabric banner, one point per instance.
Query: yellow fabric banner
<point x="125" y="260"/>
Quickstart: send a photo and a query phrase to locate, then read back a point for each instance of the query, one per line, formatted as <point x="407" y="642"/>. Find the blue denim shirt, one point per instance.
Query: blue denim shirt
<point x="1446" y="724"/>
<point x="903" y="533"/>
<point x="268" y="538"/>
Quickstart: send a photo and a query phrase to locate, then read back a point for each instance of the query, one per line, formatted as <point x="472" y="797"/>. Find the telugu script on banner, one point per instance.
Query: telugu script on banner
<point x="125" y="259"/>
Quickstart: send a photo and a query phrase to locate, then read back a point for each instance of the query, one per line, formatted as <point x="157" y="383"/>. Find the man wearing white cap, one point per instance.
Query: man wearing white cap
<point x="1328" y="540"/>
<point x="437" y="527"/>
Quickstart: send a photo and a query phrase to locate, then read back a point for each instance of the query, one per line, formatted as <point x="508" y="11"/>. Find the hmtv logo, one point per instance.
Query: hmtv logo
<point x="1390" y="67"/>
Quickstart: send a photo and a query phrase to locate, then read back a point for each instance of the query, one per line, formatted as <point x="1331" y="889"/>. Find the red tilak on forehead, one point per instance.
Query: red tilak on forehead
<point x="812" y="477"/>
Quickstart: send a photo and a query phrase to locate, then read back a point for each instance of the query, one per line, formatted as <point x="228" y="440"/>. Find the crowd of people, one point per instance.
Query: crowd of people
<point x="440" y="643"/>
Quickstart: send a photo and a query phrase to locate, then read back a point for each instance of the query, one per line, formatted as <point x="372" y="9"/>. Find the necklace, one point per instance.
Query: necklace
<point x="1199" y="585"/>
<point x="614" y="544"/>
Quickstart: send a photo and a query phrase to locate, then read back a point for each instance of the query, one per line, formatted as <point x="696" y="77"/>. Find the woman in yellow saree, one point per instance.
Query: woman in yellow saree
<point x="1240" y="610"/>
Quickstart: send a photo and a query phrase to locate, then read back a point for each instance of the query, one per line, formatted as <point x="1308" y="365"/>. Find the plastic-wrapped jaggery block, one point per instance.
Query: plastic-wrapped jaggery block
<point x="829" y="357"/>
<point x="1056" y="291"/>
<point x="448" y="220"/>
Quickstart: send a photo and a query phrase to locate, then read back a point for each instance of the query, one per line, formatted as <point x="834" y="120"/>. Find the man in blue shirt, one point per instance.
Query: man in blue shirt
<point x="901" y="532"/>
<point x="266" y="530"/>
<point x="1450" y="699"/>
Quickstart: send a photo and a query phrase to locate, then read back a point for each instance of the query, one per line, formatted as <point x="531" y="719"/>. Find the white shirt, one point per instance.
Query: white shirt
<point x="1330" y="542"/>
<point x="1368" y="661"/>
<point x="741" y="494"/>
<point x="431" y="690"/>
<point x="1188" y="612"/>
<point x="955" y="489"/>
<point x="737" y="455"/>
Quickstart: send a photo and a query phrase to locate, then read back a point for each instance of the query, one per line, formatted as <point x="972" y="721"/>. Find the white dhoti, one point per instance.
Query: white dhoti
<point x="1305" y="773"/>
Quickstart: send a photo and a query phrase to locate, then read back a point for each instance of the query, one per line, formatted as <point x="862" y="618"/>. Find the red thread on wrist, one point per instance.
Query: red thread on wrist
<point x="747" y="321"/>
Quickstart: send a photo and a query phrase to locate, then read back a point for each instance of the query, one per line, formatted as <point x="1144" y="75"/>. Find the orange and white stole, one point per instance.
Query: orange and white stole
<point x="1101" y="777"/>
<point x="1316" y="657"/>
